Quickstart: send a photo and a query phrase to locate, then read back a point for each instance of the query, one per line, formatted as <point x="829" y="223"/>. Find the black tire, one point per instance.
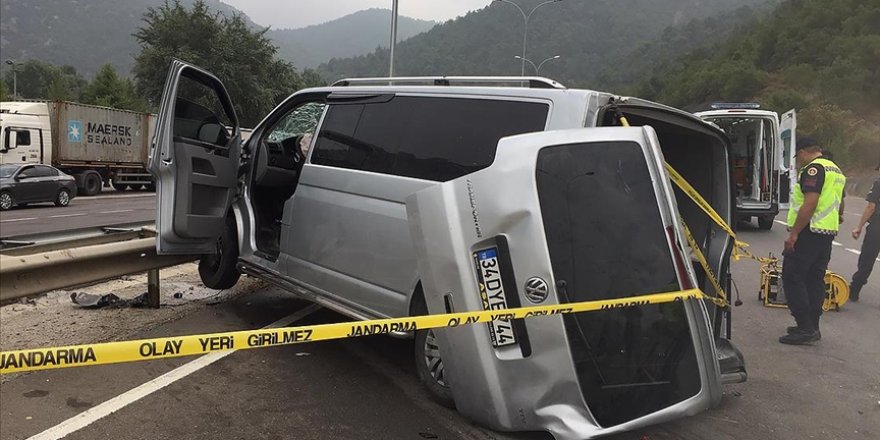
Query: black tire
<point x="63" y="197"/>
<point x="118" y="186"/>
<point x="219" y="271"/>
<point x="151" y="187"/>
<point x="766" y="222"/>
<point x="6" y="201"/>
<point x="429" y="364"/>
<point x="91" y="184"/>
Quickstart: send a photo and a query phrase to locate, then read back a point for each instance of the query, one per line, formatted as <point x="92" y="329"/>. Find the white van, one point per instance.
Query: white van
<point x="762" y="155"/>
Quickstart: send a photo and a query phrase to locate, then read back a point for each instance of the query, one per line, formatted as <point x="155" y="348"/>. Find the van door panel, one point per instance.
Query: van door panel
<point x="347" y="209"/>
<point x="194" y="160"/>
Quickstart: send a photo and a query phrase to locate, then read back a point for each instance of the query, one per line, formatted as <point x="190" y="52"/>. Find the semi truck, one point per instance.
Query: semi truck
<point x="99" y="146"/>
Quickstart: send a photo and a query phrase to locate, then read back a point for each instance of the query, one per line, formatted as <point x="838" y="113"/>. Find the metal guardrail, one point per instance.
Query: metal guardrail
<point x="40" y="263"/>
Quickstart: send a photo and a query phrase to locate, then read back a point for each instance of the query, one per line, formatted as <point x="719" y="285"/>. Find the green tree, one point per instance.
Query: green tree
<point x="39" y="80"/>
<point x="243" y="58"/>
<point x="31" y="79"/>
<point x="109" y="90"/>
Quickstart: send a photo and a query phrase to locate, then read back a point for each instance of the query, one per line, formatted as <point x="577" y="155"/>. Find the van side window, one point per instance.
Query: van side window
<point x="199" y="114"/>
<point x="338" y="146"/>
<point x="422" y="137"/>
<point x="446" y="138"/>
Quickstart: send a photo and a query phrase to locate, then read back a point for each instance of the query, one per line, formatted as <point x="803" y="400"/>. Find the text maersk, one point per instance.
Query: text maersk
<point x="108" y="134"/>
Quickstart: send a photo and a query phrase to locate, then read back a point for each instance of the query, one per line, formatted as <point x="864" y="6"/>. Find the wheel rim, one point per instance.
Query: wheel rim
<point x="5" y="201"/>
<point x="433" y="360"/>
<point x="64" y="198"/>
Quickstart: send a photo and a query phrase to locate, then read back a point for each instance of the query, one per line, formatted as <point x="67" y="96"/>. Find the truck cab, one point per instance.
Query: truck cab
<point x="25" y="133"/>
<point x="763" y="158"/>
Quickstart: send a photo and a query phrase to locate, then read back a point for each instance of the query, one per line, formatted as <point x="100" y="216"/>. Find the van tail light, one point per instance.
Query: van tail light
<point x="679" y="260"/>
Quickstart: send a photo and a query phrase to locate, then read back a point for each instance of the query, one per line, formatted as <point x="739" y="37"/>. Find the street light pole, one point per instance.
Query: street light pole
<point x="14" y="77"/>
<point x="541" y="64"/>
<point x="526" y="18"/>
<point x="393" y="37"/>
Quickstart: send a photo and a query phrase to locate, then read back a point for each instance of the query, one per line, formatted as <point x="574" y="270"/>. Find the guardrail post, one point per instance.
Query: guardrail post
<point x="153" y="289"/>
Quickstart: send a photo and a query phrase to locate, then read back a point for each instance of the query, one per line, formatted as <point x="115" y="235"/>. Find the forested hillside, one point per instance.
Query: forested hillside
<point x="353" y="34"/>
<point x="822" y="57"/>
<point x="587" y="35"/>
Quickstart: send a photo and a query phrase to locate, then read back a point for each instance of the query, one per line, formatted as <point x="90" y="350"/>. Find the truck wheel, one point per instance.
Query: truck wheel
<point x="6" y="201"/>
<point x="218" y="270"/>
<point x="766" y="222"/>
<point x="429" y="364"/>
<point x="118" y="186"/>
<point x="91" y="183"/>
<point x="63" y="197"/>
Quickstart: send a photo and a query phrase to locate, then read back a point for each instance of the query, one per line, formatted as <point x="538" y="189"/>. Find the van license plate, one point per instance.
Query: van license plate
<point x="492" y="293"/>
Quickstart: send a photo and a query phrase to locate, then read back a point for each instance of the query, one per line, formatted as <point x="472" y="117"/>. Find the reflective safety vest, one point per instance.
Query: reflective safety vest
<point x="826" y="219"/>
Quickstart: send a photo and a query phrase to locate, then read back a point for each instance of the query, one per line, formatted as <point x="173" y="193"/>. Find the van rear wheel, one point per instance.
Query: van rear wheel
<point x="429" y="364"/>
<point x="218" y="270"/>
<point x="766" y="222"/>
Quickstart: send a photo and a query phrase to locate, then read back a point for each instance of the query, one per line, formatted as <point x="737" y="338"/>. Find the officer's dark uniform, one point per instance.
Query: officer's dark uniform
<point x="803" y="269"/>
<point x="870" y="247"/>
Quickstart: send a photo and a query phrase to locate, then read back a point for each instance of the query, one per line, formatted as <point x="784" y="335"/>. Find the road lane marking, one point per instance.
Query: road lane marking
<point x="116" y="211"/>
<point x="837" y="243"/>
<point x="781" y="222"/>
<point x="18" y="219"/>
<point x="857" y="252"/>
<point x="99" y="198"/>
<point x="68" y="215"/>
<point x="96" y="413"/>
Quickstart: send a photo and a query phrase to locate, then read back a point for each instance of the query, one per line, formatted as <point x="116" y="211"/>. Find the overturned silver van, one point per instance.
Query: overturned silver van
<point x="393" y="197"/>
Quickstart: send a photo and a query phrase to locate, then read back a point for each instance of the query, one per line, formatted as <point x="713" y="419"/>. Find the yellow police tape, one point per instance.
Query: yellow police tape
<point x="721" y="300"/>
<point x="160" y="348"/>
<point x="740" y="247"/>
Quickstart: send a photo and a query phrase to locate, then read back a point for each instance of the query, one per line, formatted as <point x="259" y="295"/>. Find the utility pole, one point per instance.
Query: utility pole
<point x="393" y="37"/>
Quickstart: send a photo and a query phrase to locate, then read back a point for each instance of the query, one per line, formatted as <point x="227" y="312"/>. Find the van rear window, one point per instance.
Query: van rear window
<point x="422" y="137"/>
<point x="607" y="240"/>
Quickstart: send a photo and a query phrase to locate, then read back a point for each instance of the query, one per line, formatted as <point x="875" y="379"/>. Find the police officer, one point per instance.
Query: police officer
<point x="871" y="245"/>
<point x="813" y="221"/>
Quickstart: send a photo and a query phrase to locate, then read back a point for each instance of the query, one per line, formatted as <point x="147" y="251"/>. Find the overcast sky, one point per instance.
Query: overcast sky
<point x="299" y="13"/>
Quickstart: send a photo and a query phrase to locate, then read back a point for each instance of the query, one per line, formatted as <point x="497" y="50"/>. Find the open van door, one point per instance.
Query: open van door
<point x="194" y="160"/>
<point x="788" y="165"/>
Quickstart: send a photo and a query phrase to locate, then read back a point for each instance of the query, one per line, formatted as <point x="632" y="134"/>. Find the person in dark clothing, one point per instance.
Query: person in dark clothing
<point x="813" y="222"/>
<point x="871" y="245"/>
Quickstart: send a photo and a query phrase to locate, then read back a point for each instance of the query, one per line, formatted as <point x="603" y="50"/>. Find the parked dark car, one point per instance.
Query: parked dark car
<point x="21" y="184"/>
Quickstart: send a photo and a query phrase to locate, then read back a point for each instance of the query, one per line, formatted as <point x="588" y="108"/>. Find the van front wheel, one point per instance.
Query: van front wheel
<point x="429" y="364"/>
<point x="766" y="222"/>
<point x="218" y="270"/>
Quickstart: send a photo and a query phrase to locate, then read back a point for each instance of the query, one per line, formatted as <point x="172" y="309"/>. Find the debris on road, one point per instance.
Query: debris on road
<point x="90" y="301"/>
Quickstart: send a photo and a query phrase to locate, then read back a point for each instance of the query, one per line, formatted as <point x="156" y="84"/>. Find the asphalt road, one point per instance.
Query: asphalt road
<point x="106" y="209"/>
<point x="366" y="388"/>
